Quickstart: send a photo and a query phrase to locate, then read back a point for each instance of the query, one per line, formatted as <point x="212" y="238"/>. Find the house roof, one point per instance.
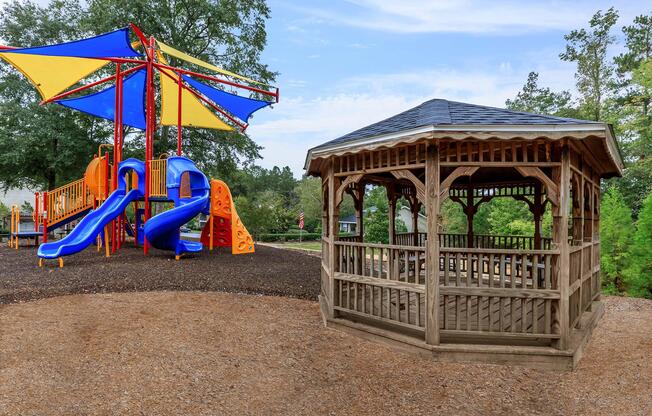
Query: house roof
<point x="349" y="219"/>
<point x="439" y="115"/>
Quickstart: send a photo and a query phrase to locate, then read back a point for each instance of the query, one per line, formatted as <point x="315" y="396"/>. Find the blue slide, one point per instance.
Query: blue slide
<point x="85" y="233"/>
<point x="162" y="231"/>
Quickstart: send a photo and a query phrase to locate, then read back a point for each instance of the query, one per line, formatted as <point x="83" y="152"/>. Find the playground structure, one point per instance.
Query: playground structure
<point x="100" y="200"/>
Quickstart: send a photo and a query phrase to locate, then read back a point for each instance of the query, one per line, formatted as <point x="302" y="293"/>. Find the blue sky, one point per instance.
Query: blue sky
<point x="347" y="63"/>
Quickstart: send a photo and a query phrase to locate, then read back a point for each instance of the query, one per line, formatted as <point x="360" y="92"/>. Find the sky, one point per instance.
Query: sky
<point x="344" y="64"/>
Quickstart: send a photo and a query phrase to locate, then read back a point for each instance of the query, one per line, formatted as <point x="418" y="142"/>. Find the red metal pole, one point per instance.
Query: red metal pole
<point x="216" y="79"/>
<point x="179" y="104"/>
<point x="116" y="153"/>
<point x="149" y="130"/>
<point x="117" y="157"/>
<point x="45" y="216"/>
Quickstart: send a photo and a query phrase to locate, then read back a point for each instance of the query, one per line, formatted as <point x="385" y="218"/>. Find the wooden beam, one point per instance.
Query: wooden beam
<point x="551" y="187"/>
<point x="418" y="185"/>
<point x="432" y="244"/>
<point x="345" y="183"/>
<point x="460" y="171"/>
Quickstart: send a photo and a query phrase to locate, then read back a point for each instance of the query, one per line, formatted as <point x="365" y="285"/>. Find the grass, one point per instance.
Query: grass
<point x="305" y="245"/>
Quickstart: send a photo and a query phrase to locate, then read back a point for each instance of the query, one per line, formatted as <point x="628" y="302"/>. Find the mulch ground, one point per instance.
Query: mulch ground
<point x="191" y="353"/>
<point x="269" y="271"/>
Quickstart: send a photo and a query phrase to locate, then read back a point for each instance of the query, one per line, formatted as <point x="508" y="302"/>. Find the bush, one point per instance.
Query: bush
<point x="287" y="237"/>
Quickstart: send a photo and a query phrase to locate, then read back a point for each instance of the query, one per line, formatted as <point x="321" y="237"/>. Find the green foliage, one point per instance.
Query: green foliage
<point x="638" y="275"/>
<point x="41" y="145"/>
<point x="539" y="100"/>
<point x="588" y="49"/>
<point x="452" y="217"/>
<point x="376" y="216"/>
<point x="616" y="231"/>
<point x="281" y="237"/>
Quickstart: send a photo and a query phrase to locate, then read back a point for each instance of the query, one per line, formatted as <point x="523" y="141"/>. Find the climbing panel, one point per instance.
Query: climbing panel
<point x="224" y="227"/>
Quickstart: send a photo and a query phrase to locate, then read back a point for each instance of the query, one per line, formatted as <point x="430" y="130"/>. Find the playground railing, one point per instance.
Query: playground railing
<point x="67" y="200"/>
<point x="157" y="177"/>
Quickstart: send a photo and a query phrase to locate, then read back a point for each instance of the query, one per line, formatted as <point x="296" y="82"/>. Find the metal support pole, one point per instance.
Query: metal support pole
<point x="149" y="130"/>
<point x="179" y="121"/>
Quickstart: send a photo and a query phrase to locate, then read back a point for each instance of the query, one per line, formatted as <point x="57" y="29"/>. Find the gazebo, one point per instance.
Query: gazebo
<point x="530" y="300"/>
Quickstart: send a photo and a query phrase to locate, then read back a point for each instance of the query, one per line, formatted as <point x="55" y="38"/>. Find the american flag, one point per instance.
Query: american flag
<point x="301" y="220"/>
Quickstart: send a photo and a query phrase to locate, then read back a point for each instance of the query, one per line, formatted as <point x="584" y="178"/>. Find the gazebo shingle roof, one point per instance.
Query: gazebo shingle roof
<point x="439" y="112"/>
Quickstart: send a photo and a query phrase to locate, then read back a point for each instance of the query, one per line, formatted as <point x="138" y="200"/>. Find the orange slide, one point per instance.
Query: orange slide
<point x="224" y="227"/>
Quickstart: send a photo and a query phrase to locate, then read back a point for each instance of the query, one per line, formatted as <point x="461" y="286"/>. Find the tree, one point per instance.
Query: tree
<point x="638" y="43"/>
<point x="41" y="145"/>
<point x="308" y="191"/>
<point x="535" y="99"/>
<point x="588" y="49"/>
<point x="638" y="276"/>
<point x="376" y="216"/>
<point x="616" y="231"/>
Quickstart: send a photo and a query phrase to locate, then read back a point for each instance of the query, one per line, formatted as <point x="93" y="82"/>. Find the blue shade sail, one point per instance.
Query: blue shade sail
<point x="108" y="45"/>
<point x="241" y="107"/>
<point x="102" y="103"/>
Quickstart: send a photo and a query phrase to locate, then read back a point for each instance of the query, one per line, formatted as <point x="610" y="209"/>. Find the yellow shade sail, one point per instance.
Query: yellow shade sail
<point x="193" y="112"/>
<point x="183" y="56"/>
<point x="52" y="74"/>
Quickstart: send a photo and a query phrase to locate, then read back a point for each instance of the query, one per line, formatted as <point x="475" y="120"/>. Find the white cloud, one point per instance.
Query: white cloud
<point x="299" y="123"/>
<point x="467" y="16"/>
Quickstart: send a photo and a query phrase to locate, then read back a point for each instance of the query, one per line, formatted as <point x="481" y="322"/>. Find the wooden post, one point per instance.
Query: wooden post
<point x="560" y="235"/>
<point x="414" y="208"/>
<point x="333" y="230"/>
<point x="392" y="215"/>
<point x="537" y="213"/>
<point x="359" y="207"/>
<point x="432" y="244"/>
<point x="470" y="213"/>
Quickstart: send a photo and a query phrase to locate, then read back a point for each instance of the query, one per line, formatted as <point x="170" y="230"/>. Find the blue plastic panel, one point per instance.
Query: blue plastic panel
<point x="241" y="107"/>
<point x="102" y="103"/>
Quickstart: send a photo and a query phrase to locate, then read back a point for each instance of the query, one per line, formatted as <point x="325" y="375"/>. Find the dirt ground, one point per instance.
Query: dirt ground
<point x="269" y="271"/>
<point x="179" y="347"/>
<point x="198" y="353"/>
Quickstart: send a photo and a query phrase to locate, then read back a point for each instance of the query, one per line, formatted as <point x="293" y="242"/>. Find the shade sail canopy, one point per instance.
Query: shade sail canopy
<point x="52" y="74"/>
<point x="241" y="107"/>
<point x="193" y="112"/>
<point x="108" y="45"/>
<point x="185" y="57"/>
<point x="102" y="103"/>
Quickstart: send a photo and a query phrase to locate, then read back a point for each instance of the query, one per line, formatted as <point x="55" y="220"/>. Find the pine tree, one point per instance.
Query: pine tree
<point x="638" y="276"/>
<point x="616" y="231"/>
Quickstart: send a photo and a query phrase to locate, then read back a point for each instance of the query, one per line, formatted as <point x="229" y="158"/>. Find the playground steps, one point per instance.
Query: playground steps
<point x="224" y="227"/>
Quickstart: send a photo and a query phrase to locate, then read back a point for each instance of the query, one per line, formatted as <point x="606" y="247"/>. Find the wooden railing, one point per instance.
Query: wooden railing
<point x="67" y="200"/>
<point x="381" y="282"/>
<point x="520" y="242"/>
<point x="479" y="241"/>
<point x="158" y="177"/>
<point x="498" y="292"/>
<point x="584" y="279"/>
<point x="407" y="239"/>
